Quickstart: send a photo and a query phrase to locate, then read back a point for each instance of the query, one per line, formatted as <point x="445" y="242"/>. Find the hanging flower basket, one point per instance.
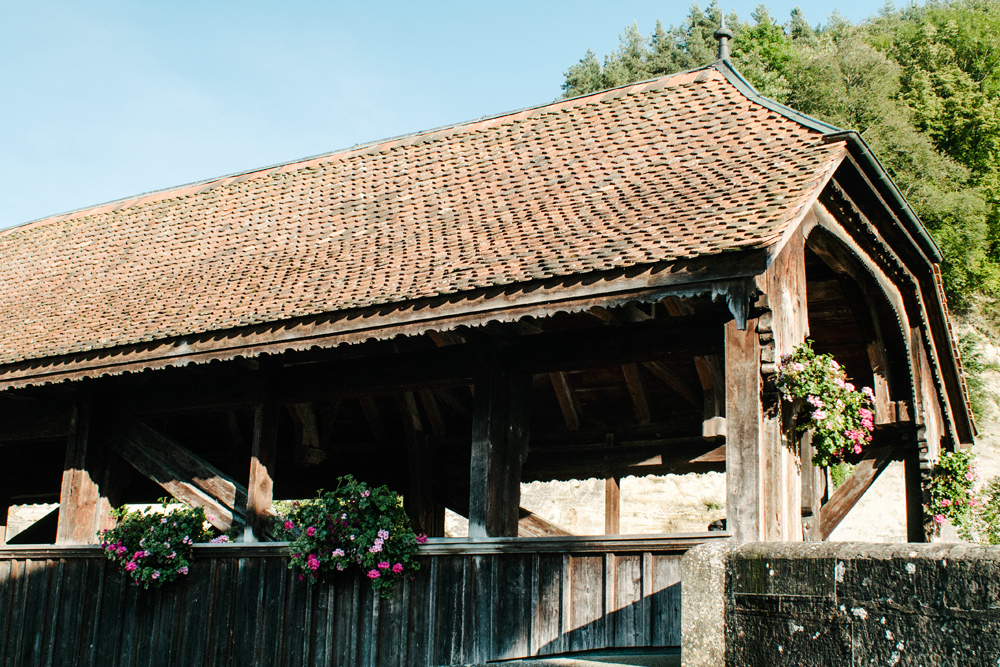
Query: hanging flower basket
<point x="839" y="415"/>
<point x="154" y="548"/>
<point x="352" y="526"/>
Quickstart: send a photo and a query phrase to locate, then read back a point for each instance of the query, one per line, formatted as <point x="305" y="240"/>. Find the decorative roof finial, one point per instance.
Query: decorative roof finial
<point x="723" y="34"/>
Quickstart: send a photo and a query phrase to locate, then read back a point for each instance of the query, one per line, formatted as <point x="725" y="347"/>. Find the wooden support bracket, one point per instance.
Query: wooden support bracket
<point x="184" y="475"/>
<point x="850" y="492"/>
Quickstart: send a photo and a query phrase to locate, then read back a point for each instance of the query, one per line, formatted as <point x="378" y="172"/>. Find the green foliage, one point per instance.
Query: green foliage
<point x="154" y="548"/>
<point x="840" y="417"/>
<point x="352" y="526"/>
<point x="952" y="491"/>
<point x="839" y="472"/>
<point x="989" y="514"/>
<point x="973" y="367"/>
<point x="921" y="84"/>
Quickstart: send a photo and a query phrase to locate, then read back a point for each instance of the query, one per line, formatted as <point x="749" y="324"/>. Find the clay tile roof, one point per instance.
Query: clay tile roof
<point x="678" y="167"/>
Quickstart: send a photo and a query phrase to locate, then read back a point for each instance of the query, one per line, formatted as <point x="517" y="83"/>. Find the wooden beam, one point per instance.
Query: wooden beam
<point x="813" y="490"/>
<point x="184" y="475"/>
<point x="308" y="446"/>
<point x="499" y="446"/>
<point x="637" y="391"/>
<point x="658" y="457"/>
<point x="426" y="515"/>
<point x="612" y="506"/>
<point x="674" y="381"/>
<point x="712" y="377"/>
<point x="530" y="524"/>
<point x="5" y="497"/>
<point x="80" y="495"/>
<point x="263" y="457"/>
<point x="438" y="426"/>
<point x="24" y="421"/>
<point x="568" y="403"/>
<point x="849" y="493"/>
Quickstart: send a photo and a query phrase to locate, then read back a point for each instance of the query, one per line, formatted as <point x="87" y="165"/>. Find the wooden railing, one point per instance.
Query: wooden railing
<point x="472" y="601"/>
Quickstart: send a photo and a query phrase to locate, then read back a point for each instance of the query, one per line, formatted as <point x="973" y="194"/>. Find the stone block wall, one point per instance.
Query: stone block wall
<point x="862" y="604"/>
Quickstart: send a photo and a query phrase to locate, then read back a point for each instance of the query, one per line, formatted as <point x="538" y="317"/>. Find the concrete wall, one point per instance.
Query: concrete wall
<point x="852" y="603"/>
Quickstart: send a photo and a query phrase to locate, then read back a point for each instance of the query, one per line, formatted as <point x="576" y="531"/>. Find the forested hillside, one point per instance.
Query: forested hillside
<point x="921" y="85"/>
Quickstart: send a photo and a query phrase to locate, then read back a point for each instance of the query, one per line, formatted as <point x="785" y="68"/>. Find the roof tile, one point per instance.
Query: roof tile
<point x="673" y="168"/>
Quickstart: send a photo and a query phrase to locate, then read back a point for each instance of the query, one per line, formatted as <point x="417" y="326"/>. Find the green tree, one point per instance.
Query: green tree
<point x="920" y="84"/>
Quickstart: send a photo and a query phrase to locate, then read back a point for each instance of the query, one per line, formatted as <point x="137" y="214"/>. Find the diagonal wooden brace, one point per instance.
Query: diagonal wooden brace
<point x="184" y="475"/>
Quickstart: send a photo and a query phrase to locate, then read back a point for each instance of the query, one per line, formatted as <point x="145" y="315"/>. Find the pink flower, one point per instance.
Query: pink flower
<point x="867" y="391"/>
<point x="156" y="574"/>
<point x="219" y="540"/>
<point x="365" y="493"/>
<point x="798" y="367"/>
<point x="421" y="539"/>
<point x="383" y="534"/>
<point x="289" y="525"/>
<point x="383" y="566"/>
<point x="397" y="568"/>
<point x="857" y="448"/>
<point x="970" y="476"/>
<point x="338" y="553"/>
<point x="373" y="574"/>
<point x="312" y="562"/>
<point x="815" y="402"/>
<point x="310" y="531"/>
<point x="138" y="554"/>
<point x="163" y="520"/>
<point x="130" y="566"/>
<point x="946" y="502"/>
<point x="849" y="387"/>
<point x="340" y="567"/>
<point x="211" y="517"/>
<point x="939" y="518"/>
<point x="834" y="365"/>
<point x="183" y="569"/>
<point x="819" y="415"/>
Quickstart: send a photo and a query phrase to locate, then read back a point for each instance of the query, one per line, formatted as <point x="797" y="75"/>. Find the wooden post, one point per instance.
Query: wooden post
<point x="260" y="490"/>
<point x="612" y="506"/>
<point x="743" y="433"/>
<point x="913" y="473"/>
<point x="426" y="515"/>
<point x="80" y="499"/>
<point x="499" y="446"/>
<point x="4" y="498"/>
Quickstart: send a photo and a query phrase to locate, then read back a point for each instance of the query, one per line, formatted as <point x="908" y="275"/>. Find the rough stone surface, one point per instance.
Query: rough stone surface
<point x="703" y="576"/>
<point x="862" y="604"/>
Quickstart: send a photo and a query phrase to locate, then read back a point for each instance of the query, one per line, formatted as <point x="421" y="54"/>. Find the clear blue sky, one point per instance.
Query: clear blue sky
<point x="102" y="100"/>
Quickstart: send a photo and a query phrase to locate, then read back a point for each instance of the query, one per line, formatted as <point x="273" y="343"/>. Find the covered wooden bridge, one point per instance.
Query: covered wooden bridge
<point x="589" y="289"/>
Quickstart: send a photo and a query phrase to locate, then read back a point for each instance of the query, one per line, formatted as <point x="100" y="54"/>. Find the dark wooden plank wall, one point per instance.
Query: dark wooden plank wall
<point x="241" y="605"/>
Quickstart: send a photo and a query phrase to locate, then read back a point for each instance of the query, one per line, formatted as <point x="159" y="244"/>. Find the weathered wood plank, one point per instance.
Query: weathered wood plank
<point x="194" y="628"/>
<point x="513" y="607"/>
<point x="6" y="604"/>
<point x="586" y="612"/>
<point x="276" y="579"/>
<point x="348" y="622"/>
<point x="629" y="617"/>
<point x="551" y="613"/>
<point x="665" y="613"/>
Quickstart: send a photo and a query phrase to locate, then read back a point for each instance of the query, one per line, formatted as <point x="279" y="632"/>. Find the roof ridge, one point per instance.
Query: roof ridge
<point x="205" y="184"/>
